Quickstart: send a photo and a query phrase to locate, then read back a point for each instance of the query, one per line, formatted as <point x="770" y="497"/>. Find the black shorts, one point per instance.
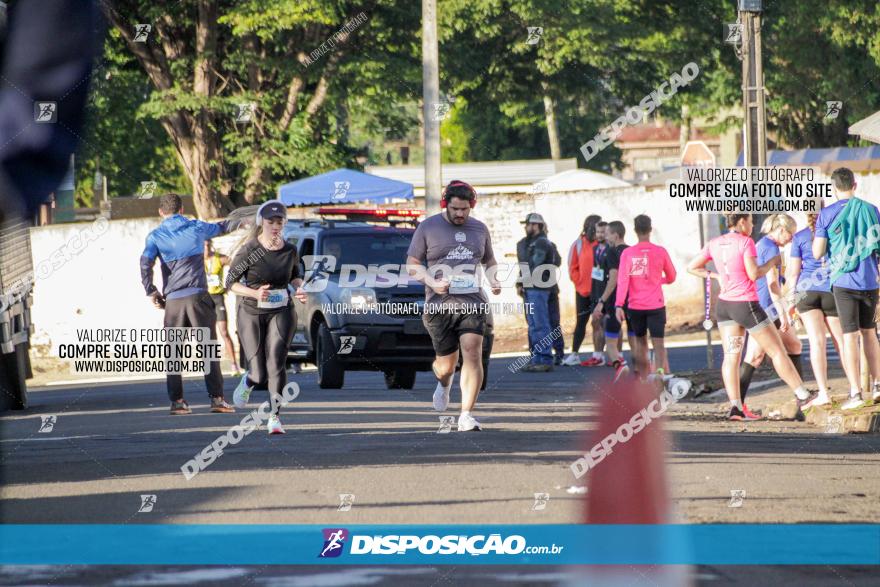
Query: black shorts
<point x="640" y="322"/>
<point x="612" y="326"/>
<point x="446" y="327"/>
<point x="855" y="308"/>
<point x="219" y="306"/>
<point x="818" y="300"/>
<point x="749" y="315"/>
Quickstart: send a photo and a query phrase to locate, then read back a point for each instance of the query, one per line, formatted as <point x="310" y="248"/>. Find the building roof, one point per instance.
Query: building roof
<point x="667" y="133"/>
<point x="487" y="177"/>
<point x="859" y="159"/>
<point x="579" y="180"/>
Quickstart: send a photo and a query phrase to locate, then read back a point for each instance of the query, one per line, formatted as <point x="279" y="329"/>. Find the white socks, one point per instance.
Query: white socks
<point x="801" y="393"/>
<point x="737" y="404"/>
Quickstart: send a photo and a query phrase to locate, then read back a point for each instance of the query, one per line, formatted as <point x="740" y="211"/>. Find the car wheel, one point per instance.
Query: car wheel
<point x="331" y="373"/>
<point x="400" y="378"/>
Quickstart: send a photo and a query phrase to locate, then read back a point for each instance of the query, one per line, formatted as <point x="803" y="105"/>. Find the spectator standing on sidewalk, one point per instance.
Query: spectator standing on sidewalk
<point x="533" y="251"/>
<point x="580" y="271"/>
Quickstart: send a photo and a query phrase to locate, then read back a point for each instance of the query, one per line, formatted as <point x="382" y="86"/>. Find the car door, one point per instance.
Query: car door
<point x="300" y="336"/>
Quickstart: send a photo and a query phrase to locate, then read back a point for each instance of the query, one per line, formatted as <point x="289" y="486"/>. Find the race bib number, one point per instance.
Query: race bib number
<point x="598" y="274"/>
<point x="277" y="299"/>
<point x="214" y="281"/>
<point x="462" y="284"/>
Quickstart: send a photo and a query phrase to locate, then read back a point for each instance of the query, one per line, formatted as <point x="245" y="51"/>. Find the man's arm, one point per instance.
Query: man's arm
<point x="669" y="273"/>
<point x="147" y="261"/>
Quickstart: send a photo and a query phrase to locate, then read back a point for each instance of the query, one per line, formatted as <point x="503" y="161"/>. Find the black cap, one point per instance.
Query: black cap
<point x="273" y="210"/>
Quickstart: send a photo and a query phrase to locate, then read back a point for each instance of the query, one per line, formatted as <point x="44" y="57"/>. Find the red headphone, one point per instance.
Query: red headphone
<point x="458" y="183"/>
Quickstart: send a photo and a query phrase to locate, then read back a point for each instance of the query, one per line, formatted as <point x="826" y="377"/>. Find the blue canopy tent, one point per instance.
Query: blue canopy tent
<point x="344" y="186"/>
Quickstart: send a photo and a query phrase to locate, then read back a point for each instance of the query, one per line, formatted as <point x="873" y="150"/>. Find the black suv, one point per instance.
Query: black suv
<point x="336" y="340"/>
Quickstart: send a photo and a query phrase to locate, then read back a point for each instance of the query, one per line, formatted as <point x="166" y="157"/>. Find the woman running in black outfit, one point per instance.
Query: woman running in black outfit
<point x="264" y="272"/>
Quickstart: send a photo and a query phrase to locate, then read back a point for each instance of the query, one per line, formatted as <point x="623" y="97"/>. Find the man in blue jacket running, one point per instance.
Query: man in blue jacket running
<point x="178" y="243"/>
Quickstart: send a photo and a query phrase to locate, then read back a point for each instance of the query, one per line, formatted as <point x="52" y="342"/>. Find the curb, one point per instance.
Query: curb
<point x="862" y="421"/>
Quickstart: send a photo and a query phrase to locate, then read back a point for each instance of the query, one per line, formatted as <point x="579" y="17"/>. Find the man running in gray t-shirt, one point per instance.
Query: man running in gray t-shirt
<point x="455" y="306"/>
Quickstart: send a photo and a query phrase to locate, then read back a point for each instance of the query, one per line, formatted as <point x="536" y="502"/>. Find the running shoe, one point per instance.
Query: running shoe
<point x="822" y="399"/>
<point x="750" y="415"/>
<point x="273" y="425"/>
<point x="219" y="406"/>
<point x="853" y="403"/>
<point x="242" y="392"/>
<point x="593" y="362"/>
<point x="537" y="368"/>
<point x="441" y="397"/>
<point x="467" y="423"/>
<point x="571" y="360"/>
<point x="807" y="402"/>
<point x="180" y="408"/>
<point x="739" y="415"/>
<point x="875" y="397"/>
<point x="557" y="360"/>
<point x="620" y="369"/>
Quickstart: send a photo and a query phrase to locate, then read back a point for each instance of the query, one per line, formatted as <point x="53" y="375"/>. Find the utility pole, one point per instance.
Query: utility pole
<point x="755" y="123"/>
<point x="431" y="105"/>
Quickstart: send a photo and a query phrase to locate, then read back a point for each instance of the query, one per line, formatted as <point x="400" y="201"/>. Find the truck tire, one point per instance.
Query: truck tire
<point x="331" y="372"/>
<point x="402" y="378"/>
<point x="13" y="370"/>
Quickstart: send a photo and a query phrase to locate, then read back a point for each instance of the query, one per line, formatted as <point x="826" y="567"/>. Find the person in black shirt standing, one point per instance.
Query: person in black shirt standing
<point x="604" y="309"/>
<point x="264" y="272"/>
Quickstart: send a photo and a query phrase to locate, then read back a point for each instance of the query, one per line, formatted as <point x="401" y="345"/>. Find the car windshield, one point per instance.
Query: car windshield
<point x="367" y="249"/>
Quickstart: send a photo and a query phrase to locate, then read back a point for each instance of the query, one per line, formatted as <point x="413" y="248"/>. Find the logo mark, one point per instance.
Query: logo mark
<point x="535" y="34"/>
<point x="541" y="500"/>
<point x="460" y="252"/>
<point x="346" y="345"/>
<point x="244" y="112"/>
<point x="832" y="109"/>
<point x="835" y="425"/>
<point x="441" y="110"/>
<point x="141" y="32"/>
<point x="334" y="541"/>
<point x="147" y="189"/>
<point x="446" y="424"/>
<point x="733" y="33"/>
<point x="147" y="503"/>
<point x="737" y="496"/>
<point x="460" y="237"/>
<point x="341" y="190"/>
<point x="47" y="424"/>
<point x="639" y="267"/>
<point x="45" y="112"/>
<point x="346" y="500"/>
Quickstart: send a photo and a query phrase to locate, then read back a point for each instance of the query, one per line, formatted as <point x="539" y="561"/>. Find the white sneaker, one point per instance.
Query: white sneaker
<point x="441" y="397"/>
<point x="875" y="397"/>
<point x="273" y="425"/>
<point x="242" y="392"/>
<point x="853" y="403"/>
<point x="821" y="400"/>
<point x="571" y="360"/>
<point x="466" y="423"/>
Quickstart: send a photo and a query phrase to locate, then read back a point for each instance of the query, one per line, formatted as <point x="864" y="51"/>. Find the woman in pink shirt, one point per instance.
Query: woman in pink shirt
<point x="644" y="269"/>
<point x="738" y="310"/>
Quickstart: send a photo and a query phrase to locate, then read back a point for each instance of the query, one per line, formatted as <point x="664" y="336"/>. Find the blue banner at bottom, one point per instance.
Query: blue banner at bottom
<point x="221" y="544"/>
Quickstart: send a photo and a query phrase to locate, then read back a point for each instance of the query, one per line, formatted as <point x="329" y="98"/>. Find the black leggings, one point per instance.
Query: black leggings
<point x="265" y="339"/>
<point x="583" y="307"/>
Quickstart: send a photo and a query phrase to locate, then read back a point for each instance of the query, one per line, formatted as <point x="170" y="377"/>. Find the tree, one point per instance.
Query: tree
<point x="210" y="61"/>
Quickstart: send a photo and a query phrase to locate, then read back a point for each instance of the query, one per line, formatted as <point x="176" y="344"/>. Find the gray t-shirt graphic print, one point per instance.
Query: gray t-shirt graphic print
<point x="462" y="248"/>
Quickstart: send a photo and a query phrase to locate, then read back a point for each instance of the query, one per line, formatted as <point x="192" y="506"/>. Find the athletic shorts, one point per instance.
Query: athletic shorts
<point x="749" y="315"/>
<point x="219" y="306"/>
<point x="855" y="308"/>
<point x="446" y="327"/>
<point x="612" y="326"/>
<point x="818" y="300"/>
<point x="640" y="322"/>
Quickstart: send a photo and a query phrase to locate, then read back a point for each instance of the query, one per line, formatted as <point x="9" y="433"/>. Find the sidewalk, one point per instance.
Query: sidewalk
<point x="776" y="401"/>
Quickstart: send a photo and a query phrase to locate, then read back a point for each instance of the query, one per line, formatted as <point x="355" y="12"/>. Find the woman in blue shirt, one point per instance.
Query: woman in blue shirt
<point x="778" y="230"/>
<point x="815" y="303"/>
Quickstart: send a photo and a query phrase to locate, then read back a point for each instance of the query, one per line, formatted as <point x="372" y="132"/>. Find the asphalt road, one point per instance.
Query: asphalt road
<point x="112" y="443"/>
